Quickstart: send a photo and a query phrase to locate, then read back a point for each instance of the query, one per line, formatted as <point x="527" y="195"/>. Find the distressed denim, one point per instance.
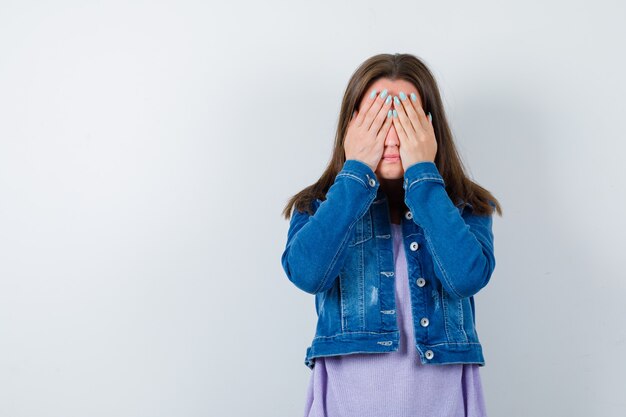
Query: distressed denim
<point x="343" y="254"/>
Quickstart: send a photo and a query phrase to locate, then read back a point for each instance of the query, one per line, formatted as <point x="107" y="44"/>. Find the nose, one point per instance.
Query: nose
<point x="392" y="137"/>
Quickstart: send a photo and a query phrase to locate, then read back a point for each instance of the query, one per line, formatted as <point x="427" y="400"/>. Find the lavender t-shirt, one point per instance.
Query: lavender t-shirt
<point x="393" y="383"/>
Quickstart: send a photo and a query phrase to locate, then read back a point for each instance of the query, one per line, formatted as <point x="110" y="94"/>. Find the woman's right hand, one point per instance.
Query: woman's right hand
<point x="365" y="136"/>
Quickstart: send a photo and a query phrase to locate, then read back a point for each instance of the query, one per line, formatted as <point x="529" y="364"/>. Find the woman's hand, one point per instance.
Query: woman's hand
<point x="415" y="130"/>
<point x="365" y="136"/>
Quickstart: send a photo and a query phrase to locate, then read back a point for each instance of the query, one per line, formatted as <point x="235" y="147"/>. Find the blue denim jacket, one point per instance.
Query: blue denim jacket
<point x="343" y="254"/>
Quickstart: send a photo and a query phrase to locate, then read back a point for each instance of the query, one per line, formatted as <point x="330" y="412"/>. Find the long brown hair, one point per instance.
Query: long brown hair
<point x="409" y="68"/>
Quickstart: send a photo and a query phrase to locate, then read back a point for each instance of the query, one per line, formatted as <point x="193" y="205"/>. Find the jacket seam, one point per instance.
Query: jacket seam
<point x="425" y="178"/>
<point x="462" y="318"/>
<point x="350" y="175"/>
<point x="443" y="271"/>
<point x="356" y="332"/>
<point x="343" y="243"/>
<point x="444" y="306"/>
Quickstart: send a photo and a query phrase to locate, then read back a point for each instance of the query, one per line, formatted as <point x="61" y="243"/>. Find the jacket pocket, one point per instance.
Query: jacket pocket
<point x="453" y="316"/>
<point x="362" y="230"/>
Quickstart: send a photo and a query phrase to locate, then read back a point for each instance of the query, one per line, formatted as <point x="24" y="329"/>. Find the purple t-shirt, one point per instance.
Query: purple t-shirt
<point x="393" y="383"/>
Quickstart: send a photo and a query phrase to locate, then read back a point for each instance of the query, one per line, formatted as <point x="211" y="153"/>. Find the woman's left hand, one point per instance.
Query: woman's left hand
<point x="416" y="132"/>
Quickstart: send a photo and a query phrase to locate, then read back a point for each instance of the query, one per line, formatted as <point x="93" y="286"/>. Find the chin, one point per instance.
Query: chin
<point x="390" y="173"/>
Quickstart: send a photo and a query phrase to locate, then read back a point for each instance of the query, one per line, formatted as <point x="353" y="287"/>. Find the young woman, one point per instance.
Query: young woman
<point x="394" y="240"/>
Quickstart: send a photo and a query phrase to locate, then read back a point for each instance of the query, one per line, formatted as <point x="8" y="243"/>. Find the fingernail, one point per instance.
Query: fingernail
<point x="430" y="117"/>
<point x="388" y="100"/>
<point x="402" y="96"/>
<point x="395" y="100"/>
<point x="373" y="94"/>
<point x="389" y="113"/>
<point x="383" y="94"/>
<point x="395" y="113"/>
<point x="413" y="96"/>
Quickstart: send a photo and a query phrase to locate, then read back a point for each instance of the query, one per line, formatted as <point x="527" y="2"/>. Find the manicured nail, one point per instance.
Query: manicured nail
<point x="373" y="94"/>
<point x="383" y="94"/>
<point x="395" y="113"/>
<point x="402" y="96"/>
<point x="430" y="117"/>
<point x="413" y="96"/>
<point x="388" y="100"/>
<point x="389" y="113"/>
<point x="395" y="100"/>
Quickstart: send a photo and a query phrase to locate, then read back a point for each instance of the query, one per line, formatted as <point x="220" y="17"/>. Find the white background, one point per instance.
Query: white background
<point x="147" y="149"/>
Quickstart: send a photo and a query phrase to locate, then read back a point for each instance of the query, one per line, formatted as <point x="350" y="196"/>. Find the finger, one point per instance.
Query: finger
<point x="383" y="132"/>
<point x="353" y="117"/>
<point x="382" y="114"/>
<point x="404" y="118"/>
<point x="384" y="129"/>
<point x="374" y="109"/>
<point x="411" y="113"/>
<point x="365" y="107"/>
<point x="399" y="129"/>
<point x="421" y="115"/>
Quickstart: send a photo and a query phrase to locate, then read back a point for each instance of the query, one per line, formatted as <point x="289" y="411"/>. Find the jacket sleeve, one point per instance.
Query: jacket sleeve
<point x="461" y="244"/>
<point x="316" y="244"/>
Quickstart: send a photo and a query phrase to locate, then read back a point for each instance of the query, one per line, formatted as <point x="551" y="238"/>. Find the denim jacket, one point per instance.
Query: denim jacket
<point x="343" y="254"/>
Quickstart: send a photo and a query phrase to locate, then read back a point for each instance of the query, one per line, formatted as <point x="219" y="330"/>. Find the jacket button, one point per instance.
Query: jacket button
<point x="408" y="215"/>
<point x="424" y="322"/>
<point x="421" y="282"/>
<point x="372" y="181"/>
<point x="414" y="246"/>
<point x="429" y="354"/>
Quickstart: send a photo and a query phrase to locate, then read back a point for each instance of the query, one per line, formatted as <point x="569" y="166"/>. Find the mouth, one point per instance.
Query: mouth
<point x="391" y="158"/>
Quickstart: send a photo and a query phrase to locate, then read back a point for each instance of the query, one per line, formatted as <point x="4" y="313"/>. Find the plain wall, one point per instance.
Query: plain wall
<point x="148" y="148"/>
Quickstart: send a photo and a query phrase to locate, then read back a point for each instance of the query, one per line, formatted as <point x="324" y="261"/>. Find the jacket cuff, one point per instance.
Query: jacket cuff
<point x="360" y="171"/>
<point x="420" y="172"/>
